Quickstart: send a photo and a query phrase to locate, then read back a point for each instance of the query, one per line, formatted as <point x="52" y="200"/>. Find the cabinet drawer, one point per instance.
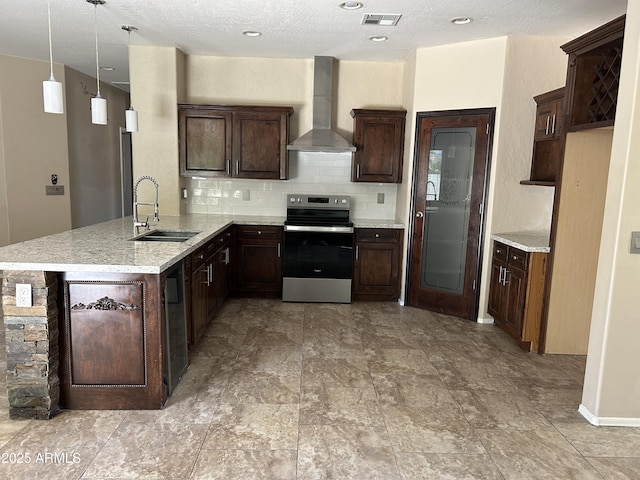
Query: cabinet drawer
<point x="377" y="235"/>
<point x="197" y="258"/>
<point x="500" y="251"/>
<point x="259" y="231"/>
<point x="518" y="258"/>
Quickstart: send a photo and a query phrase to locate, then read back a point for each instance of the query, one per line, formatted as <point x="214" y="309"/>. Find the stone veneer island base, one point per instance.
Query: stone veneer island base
<point x="33" y="385"/>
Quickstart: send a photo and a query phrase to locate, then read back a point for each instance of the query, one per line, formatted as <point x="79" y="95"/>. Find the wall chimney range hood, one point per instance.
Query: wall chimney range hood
<point x="321" y="138"/>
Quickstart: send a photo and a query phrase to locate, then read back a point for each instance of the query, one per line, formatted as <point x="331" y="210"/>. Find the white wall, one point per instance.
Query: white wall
<point x="611" y="394"/>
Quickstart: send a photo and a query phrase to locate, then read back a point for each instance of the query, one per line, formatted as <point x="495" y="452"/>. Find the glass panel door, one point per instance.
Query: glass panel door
<point x="448" y="201"/>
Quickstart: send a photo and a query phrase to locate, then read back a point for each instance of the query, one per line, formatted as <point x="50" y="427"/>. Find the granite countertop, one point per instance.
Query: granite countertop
<point x="372" y="223"/>
<point x="106" y="247"/>
<point x="527" y="241"/>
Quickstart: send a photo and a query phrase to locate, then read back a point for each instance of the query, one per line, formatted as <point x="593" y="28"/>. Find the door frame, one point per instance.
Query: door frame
<point x="491" y="112"/>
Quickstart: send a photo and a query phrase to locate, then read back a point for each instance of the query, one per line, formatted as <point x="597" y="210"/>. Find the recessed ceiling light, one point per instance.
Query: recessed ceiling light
<point x="251" y="33"/>
<point x="378" y="38"/>
<point x="461" y="20"/>
<point x="351" y="5"/>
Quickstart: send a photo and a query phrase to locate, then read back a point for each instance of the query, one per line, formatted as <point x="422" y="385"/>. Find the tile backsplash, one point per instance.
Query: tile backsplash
<point x="323" y="173"/>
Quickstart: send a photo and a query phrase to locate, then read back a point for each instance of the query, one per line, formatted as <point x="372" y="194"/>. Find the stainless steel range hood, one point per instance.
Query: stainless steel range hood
<point x="321" y="138"/>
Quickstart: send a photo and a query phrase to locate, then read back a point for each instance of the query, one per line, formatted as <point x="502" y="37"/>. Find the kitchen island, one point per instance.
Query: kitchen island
<point x="95" y="335"/>
<point x="91" y="332"/>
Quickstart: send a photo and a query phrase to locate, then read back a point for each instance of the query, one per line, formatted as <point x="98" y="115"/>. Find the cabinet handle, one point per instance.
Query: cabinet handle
<point x="499" y="250"/>
<point x="238" y="167"/>
<point x="259" y="232"/>
<point x="546" y="130"/>
<point x="227" y="259"/>
<point x="377" y="235"/>
<point x="228" y="167"/>
<point x="209" y="274"/>
<point x="357" y="252"/>
<point x="504" y="278"/>
<point x="279" y="250"/>
<point x="515" y="257"/>
<point x="553" y="125"/>
<point x="500" y="276"/>
<point x="358" y="171"/>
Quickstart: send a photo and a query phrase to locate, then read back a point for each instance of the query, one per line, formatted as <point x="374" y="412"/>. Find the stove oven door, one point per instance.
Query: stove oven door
<point x="317" y="264"/>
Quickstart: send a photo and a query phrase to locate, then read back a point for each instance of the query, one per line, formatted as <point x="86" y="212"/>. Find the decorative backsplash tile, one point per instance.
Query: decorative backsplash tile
<point x="328" y="173"/>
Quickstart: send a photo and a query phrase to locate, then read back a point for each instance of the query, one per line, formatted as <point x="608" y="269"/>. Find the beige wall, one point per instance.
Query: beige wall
<point x="611" y="393"/>
<point x="157" y="85"/>
<point x="34" y="145"/>
<point x="504" y="73"/>
<point x="94" y="151"/>
<point x="274" y="81"/>
<point x="533" y="65"/>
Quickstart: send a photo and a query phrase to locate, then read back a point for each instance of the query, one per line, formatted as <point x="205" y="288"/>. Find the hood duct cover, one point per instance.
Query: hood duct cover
<point x="321" y="138"/>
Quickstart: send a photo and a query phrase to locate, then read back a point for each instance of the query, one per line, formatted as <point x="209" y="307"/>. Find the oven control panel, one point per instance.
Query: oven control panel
<point x="319" y="201"/>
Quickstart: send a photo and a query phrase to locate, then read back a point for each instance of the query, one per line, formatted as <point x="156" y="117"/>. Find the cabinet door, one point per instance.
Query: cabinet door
<point x="259" y="145"/>
<point x="259" y="262"/>
<point x="212" y="299"/>
<point x="205" y="141"/>
<point x="199" y="290"/>
<point x="379" y="141"/>
<point x="547" y="118"/>
<point x="376" y="274"/>
<point x="516" y="283"/>
<point x="497" y="297"/>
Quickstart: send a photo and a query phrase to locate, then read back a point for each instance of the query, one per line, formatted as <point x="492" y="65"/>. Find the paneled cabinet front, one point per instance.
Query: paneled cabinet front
<point x="516" y="293"/>
<point x="111" y="341"/>
<point x="233" y="141"/>
<point x="259" y="261"/>
<point x="379" y="139"/>
<point x="210" y="282"/>
<point x="376" y="268"/>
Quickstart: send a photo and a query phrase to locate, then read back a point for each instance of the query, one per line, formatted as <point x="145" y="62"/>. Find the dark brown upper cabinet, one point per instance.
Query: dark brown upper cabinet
<point x="379" y="139"/>
<point x="234" y="141"/>
<point x="548" y="138"/>
<point x="593" y="76"/>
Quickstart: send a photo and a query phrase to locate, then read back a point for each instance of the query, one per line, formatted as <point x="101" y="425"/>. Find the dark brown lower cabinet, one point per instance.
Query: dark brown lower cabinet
<point x="199" y="294"/>
<point x="258" y="261"/>
<point x="111" y="330"/>
<point x="211" y="281"/>
<point x="516" y="293"/>
<point x="377" y="263"/>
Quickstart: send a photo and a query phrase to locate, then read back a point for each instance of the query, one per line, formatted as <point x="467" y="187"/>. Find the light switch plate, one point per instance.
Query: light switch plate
<point x="635" y="242"/>
<point x="54" y="189"/>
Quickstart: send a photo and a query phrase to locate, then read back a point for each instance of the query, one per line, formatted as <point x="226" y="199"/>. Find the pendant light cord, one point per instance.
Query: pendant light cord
<point x="50" y="47"/>
<point x="129" y="28"/>
<point x="95" y="21"/>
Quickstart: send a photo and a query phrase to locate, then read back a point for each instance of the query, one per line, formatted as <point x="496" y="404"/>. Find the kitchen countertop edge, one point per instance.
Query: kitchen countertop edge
<point x="107" y="246"/>
<point x="526" y="241"/>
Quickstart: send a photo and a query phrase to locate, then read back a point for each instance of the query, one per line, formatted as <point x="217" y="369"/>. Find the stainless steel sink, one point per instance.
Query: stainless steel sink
<point x="164" y="236"/>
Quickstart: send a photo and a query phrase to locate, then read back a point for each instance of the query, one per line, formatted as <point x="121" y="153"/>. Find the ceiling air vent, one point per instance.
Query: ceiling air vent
<point x="383" y="19"/>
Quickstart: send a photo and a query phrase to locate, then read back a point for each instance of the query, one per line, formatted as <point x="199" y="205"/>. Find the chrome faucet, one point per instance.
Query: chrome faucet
<point x="136" y="223"/>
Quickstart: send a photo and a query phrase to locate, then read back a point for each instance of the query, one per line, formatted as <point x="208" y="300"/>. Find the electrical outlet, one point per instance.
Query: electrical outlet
<point x="381" y="197"/>
<point x="23" y="295"/>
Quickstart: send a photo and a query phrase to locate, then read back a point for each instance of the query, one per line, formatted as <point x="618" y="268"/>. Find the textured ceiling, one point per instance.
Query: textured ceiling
<point x="290" y="28"/>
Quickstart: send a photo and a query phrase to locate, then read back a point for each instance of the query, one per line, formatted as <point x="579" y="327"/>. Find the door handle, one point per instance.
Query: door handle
<point x="419" y="214"/>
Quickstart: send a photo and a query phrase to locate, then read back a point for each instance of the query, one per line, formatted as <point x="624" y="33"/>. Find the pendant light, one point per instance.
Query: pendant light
<point x="98" y="104"/>
<point x="52" y="90"/>
<point x="131" y="116"/>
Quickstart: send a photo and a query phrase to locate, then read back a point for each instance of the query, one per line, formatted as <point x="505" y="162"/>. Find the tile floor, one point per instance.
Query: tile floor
<point x="361" y="391"/>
